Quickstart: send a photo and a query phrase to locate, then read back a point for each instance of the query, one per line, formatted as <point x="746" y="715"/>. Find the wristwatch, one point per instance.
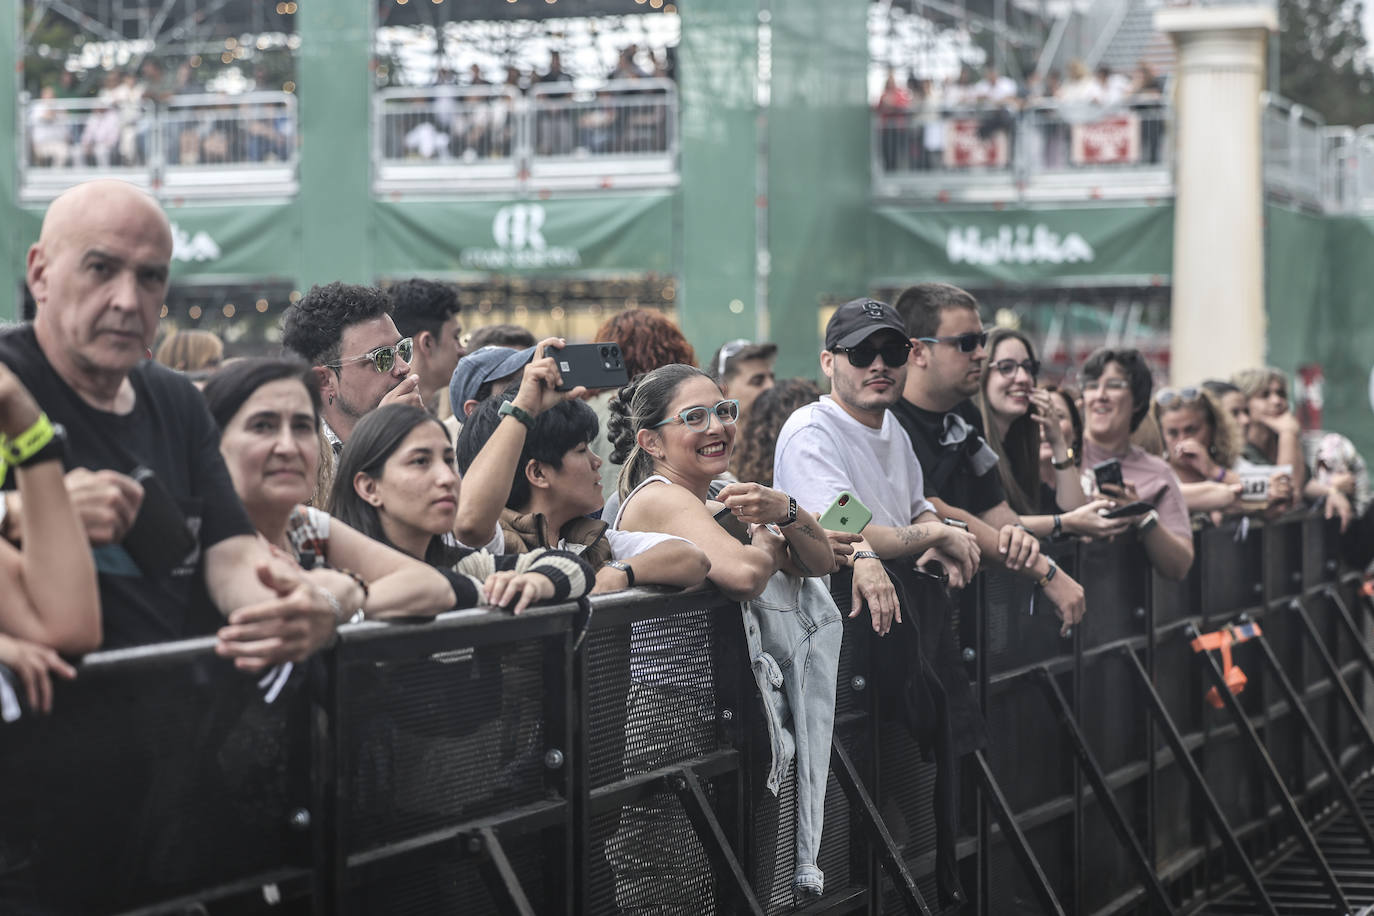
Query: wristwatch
<point x="624" y="567"/>
<point x="1045" y="579"/>
<point x="1149" y="521"/>
<point x="791" y="513"/>
<point x="508" y="409"/>
<point x="866" y="555"/>
<point x="1066" y="463"/>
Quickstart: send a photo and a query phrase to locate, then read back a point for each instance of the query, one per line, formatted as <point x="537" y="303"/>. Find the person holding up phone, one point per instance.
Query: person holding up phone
<point x="1116" y="398"/>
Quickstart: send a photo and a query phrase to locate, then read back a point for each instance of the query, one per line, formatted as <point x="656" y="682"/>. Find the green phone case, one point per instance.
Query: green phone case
<point x="846" y="513"/>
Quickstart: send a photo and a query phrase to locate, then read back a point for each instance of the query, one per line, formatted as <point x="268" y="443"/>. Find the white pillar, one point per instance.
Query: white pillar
<point x="1218" y="278"/>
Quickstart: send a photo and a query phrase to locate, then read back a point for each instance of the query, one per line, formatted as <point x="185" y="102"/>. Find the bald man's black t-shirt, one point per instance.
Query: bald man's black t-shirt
<point x="171" y="432"/>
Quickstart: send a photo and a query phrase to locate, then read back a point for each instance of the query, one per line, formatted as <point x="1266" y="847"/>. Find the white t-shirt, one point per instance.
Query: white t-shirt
<point x="823" y="450"/>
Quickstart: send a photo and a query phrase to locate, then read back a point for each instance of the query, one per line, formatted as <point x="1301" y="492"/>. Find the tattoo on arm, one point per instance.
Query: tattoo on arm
<point x="911" y="535"/>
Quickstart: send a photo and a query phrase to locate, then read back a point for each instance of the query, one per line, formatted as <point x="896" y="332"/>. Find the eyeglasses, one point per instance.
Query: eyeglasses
<point x="966" y="343"/>
<point x="1008" y="367"/>
<point x="727" y="353"/>
<point x="1172" y="397"/>
<point x="894" y="353"/>
<point x="1106" y="384"/>
<point x="698" y="419"/>
<point x="382" y="358"/>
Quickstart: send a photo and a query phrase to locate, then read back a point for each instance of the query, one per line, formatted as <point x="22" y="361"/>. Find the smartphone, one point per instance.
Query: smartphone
<point x="934" y="570"/>
<point x="1108" y="472"/>
<point x="732" y="525"/>
<point x="1126" y="511"/>
<point x="593" y="365"/>
<point x="846" y="514"/>
<point x="159" y="539"/>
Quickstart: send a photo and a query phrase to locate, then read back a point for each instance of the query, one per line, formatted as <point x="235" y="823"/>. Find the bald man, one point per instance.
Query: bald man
<point x="98" y="274"/>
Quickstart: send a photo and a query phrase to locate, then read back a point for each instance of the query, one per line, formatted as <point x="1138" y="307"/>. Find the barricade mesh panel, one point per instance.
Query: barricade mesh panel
<point x="775" y="819"/>
<point x="449" y="880"/>
<point x="441" y="740"/>
<point x="1115" y="736"/>
<point x="1016" y="637"/>
<point x="1107" y="868"/>
<point x="144" y="786"/>
<point x="647" y="854"/>
<point x="1009" y="893"/>
<point x="1175" y="809"/>
<point x="1022" y="729"/>
<point x="1230" y="579"/>
<point x="646" y="858"/>
<point x="1232" y="775"/>
<point x="1113" y="588"/>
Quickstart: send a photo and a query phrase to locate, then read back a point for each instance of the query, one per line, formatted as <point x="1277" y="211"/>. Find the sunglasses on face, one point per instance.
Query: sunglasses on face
<point x="1007" y="367"/>
<point x="698" y="419"/>
<point x="1173" y="397"/>
<point x="894" y="353"/>
<point x="382" y="358"/>
<point x="966" y="343"/>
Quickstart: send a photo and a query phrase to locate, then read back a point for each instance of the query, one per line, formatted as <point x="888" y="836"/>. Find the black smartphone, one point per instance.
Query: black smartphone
<point x="594" y="365"/>
<point x="159" y="539"/>
<point x="1108" y="472"/>
<point x="732" y="525"/>
<point x="1135" y="508"/>
<point x="934" y="570"/>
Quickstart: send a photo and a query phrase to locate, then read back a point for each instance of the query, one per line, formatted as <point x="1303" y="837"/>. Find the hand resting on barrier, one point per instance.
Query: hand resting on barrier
<point x="33" y="665"/>
<point x="290" y="627"/>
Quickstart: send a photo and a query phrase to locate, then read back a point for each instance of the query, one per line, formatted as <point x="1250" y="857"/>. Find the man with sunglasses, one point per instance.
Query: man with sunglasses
<point x="359" y="359"/>
<point x="849" y="440"/>
<point x="947" y="357"/>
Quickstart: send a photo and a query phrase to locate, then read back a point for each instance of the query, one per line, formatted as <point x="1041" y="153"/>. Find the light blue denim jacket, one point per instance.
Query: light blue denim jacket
<point x="794" y="631"/>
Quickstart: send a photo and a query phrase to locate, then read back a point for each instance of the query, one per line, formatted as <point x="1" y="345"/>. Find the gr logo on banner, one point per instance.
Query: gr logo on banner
<point x="518" y="231"/>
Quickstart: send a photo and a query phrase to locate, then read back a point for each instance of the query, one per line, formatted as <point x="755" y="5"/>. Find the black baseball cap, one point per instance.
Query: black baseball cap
<point x="858" y="319"/>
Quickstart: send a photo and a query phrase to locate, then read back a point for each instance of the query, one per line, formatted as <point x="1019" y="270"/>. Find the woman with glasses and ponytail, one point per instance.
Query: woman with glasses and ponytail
<point x="1020" y="420"/>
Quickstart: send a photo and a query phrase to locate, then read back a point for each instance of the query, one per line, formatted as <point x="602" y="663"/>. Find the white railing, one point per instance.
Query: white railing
<point x="1049" y="151"/>
<point x="1294" y="150"/>
<point x="463" y="137"/>
<point x="204" y="145"/>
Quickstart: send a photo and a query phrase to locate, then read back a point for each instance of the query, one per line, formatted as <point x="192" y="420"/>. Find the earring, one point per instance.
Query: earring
<point x="331" y="400"/>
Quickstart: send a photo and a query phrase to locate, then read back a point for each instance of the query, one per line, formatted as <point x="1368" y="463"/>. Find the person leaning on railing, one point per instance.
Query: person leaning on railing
<point x="1025" y="426"/>
<point x="396" y="484"/>
<point x="50" y="600"/>
<point x="268" y="417"/>
<point x="1116" y="398"/>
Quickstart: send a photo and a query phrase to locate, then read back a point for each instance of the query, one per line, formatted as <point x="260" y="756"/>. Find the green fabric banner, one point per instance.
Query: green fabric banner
<point x="1019" y="247"/>
<point x="571" y="235"/>
<point x="252" y="242"/>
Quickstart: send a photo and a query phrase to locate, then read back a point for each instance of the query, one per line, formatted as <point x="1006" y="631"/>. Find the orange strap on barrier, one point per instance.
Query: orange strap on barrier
<point x="1222" y="640"/>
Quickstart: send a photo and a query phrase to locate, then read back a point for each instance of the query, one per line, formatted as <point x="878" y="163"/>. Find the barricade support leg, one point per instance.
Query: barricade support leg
<point x="1333" y="670"/>
<point x="1212" y="807"/>
<point x="727" y="866"/>
<point x="1352" y="629"/>
<point x="1098" y="780"/>
<point x="1333" y="766"/>
<point x="992" y="794"/>
<point x="888" y="854"/>
<point x="498" y="874"/>
<point x="1299" y="823"/>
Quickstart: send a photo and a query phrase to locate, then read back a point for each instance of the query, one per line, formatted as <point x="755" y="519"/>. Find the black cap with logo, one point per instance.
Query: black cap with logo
<point x="858" y="319"/>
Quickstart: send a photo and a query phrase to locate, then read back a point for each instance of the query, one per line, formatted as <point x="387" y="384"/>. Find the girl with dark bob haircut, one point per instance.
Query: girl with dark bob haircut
<point x="395" y="482"/>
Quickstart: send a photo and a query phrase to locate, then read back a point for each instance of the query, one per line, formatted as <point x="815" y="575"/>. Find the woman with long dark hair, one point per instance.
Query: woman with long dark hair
<point x="395" y="483"/>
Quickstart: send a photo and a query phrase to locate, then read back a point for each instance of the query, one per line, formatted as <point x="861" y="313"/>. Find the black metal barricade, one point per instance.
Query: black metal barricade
<point x="609" y="756"/>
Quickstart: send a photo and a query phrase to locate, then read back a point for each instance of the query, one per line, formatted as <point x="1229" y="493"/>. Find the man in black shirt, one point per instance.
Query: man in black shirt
<point x="98" y="274"/>
<point x="960" y="468"/>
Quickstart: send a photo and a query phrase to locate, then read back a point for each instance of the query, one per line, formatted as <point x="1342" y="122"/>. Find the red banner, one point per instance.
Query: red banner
<point x="1111" y="141"/>
<point x="965" y="149"/>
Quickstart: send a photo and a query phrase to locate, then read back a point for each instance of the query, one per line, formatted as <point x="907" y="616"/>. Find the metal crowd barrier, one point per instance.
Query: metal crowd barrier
<point x="190" y="145"/>
<point x="607" y="756"/>
<point x="485" y="137"/>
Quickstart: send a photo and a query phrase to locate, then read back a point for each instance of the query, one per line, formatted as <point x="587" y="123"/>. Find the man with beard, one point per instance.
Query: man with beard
<point x="947" y="355"/>
<point x="850" y="441"/>
<point x="359" y="359"/>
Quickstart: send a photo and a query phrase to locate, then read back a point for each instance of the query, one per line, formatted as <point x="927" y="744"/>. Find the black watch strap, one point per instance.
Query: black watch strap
<point x="791" y="512"/>
<point x="624" y="567"/>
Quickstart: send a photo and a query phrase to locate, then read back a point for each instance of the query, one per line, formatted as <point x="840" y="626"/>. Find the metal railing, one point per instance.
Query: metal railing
<point x="606" y="756"/>
<point x="458" y="137"/>
<point x="1294" y="150"/>
<point x="1007" y="153"/>
<point x="206" y="145"/>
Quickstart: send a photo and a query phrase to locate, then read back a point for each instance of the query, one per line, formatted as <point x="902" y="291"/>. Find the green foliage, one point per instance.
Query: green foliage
<point x="1323" y="59"/>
